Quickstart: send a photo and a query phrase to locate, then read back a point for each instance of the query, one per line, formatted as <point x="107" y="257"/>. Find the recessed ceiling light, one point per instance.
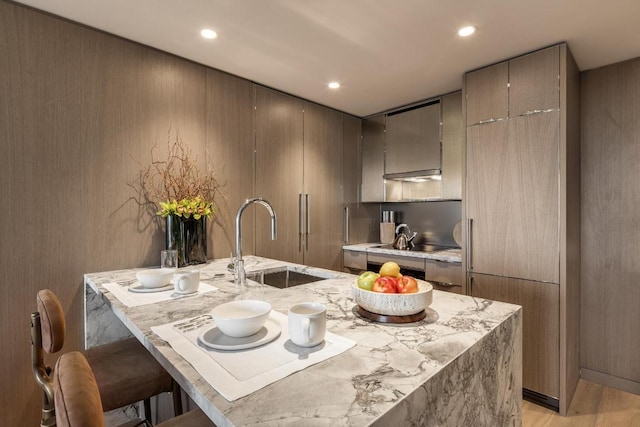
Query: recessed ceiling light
<point x="208" y="34"/>
<point x="466" y="31"/>
<point x="334" y="85"/>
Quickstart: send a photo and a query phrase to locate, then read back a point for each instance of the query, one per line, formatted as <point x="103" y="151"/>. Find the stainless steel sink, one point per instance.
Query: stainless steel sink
<point x="284" y="278"/>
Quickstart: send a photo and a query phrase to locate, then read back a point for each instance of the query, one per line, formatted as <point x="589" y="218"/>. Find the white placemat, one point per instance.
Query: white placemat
<point x="133" y="299"/>
<point x="235" y="374"/>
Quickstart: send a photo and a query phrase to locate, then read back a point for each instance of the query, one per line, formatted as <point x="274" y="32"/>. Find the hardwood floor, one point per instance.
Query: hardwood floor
<point x="593" y="405"/>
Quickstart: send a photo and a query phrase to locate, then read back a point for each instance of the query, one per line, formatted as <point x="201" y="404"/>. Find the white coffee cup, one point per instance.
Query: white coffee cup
<point x="186" y="281"/>
<point x="307" y="324"/>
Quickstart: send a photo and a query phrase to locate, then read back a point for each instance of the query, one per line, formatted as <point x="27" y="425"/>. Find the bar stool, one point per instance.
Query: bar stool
<point x="77" y="399"/>
<point x="125" y="371"/>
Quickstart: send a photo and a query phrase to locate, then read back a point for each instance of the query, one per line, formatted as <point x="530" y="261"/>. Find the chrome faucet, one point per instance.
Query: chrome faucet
<point x="238" y="265"/>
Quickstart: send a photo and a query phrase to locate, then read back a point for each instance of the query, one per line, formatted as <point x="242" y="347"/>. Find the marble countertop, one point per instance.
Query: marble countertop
<point x="447" y="255"/>
<point x="380" y="381"/>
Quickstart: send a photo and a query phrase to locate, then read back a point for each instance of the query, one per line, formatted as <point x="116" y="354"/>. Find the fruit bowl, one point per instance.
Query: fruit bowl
<point x="394" y="304"/>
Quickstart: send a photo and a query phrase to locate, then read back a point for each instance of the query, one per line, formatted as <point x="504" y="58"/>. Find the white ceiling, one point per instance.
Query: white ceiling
<point x="385" y="53"/>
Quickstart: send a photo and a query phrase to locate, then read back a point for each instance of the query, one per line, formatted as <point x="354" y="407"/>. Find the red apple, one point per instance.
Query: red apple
<point x="407" y="285"/>
<point x="385" y="284"/>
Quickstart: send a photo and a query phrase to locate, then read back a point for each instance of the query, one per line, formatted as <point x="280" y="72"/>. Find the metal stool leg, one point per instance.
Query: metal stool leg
<point x="147" y="409"/>
<point x="177" y="399"/>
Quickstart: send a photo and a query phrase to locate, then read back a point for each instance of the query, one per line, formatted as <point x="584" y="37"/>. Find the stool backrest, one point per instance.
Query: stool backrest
<point x="77" y="398"/>
<point x="52" y="323"/>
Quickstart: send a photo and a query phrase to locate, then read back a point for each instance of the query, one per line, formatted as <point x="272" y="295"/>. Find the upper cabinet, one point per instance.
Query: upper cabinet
<point x="524" y="85"/>
<point x="412" y="139"/>
<point x="488" y="94"/>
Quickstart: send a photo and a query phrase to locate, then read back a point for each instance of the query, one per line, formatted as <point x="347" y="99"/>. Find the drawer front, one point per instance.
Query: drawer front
<point x="403" y="262"/>
<point x="447" y="273"/>
<point x="354" y="259"/>
<point x="447" y="288"/>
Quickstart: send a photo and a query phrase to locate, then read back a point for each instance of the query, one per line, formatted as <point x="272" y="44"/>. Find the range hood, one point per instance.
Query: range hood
<point x="415" y="176"/>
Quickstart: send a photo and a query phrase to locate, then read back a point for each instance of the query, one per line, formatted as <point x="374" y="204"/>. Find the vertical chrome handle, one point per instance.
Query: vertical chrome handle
<point x="300" y="220"/>
<point x="470" y="244"/>
<point x="470" y="285"/>
<point x="307" y="199"/>
<point x="346" y="224"/>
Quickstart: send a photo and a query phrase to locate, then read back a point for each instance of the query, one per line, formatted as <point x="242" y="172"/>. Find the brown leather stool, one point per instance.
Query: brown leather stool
<point x="125" y="371"/>
<point x="77" y="400"/>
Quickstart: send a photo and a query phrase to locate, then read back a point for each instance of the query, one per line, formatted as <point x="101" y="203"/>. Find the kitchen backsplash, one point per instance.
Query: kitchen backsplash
<point x="433" y="221"/>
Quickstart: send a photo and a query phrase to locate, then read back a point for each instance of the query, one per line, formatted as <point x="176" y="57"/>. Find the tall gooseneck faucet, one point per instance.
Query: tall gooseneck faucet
<point x="240" y="274"/>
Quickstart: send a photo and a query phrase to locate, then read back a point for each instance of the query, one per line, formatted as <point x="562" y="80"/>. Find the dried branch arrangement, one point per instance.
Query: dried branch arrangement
<point x="176" y="185"/>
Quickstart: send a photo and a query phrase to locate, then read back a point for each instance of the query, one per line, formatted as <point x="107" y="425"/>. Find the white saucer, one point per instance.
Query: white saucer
<point x="213" y="338"/>
<point x="142" y="290"/>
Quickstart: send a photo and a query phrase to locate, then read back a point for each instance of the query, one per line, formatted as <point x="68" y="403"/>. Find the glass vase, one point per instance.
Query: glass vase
<point x="189" y="237"/>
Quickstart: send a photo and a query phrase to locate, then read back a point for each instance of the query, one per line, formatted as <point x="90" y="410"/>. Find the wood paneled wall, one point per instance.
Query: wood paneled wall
<point x="610" y="161"/>
<point x="78" y="110"/>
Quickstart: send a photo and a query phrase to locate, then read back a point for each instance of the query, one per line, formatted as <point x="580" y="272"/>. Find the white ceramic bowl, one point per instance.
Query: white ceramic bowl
<point x="394" y="304"/>
<point x="241" y="318"/>
<point x="156" y="278"/>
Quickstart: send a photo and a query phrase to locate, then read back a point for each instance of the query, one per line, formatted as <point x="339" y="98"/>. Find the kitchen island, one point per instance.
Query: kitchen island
<point x="461" y="365"/>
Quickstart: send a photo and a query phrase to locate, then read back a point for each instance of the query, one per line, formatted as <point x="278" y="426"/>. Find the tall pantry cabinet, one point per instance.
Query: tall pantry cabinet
<point x="522" y="208"/>
<point x="298" y="164"/>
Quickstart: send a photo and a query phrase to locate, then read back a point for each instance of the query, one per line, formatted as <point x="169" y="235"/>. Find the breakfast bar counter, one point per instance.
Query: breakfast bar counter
<point x="461" y="365"/>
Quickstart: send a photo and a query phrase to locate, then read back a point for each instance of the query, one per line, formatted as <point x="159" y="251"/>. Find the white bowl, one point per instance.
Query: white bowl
<point x="394" y="304"/>
<point x="241" y="318"/>
<point x="156" y="278"/>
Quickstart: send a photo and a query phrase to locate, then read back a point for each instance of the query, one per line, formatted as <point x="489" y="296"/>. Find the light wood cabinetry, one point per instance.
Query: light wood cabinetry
<point x="534" y="83"/>
<point x="279" y="173"/>
<point x="412" y="139"/>
<point x="351" y="164"/>
<point x="527" y="84"/>
<point x="444" y="276"/>
<point x="299" y="171"/>
<point x="512" y="205"/>
<point x="323" y="209"/>
<point x="229" y="121"/>
<point x="354" y="261"/>
<point x="540" y="321"/>
<point x="373" y="159"/>
<point x="522" y="206"/>
<point x="487" y="95"/>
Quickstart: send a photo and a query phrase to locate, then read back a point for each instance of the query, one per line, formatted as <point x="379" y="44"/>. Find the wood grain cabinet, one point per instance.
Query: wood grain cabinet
<point x="512" y="204"/>
<point x="323" y="207"/>
<point x="524" y="85"/>
<point x="279" y="162"/>
<point x="540" y="321"/>
<point x="522" y="208"/>
<point x="372" y="159"/>
<point x="444" y="276"/>
<point x="298" y="165"/>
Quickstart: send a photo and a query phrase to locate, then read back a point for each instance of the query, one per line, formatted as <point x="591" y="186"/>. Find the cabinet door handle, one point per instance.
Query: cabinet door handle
<point x="470" y="285"/>
<point x="300" y="220"/>
<point x="346" y="224"/>
<point x="307" y="206"/>
<point x="470" y="244"/>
